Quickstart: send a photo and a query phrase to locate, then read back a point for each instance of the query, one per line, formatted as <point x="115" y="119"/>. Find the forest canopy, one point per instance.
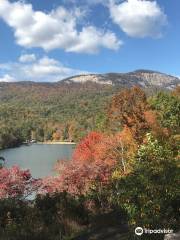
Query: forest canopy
<point x="123" y="173"/>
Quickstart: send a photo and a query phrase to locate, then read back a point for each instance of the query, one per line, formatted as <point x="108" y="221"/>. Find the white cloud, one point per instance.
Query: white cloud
<point x="86" y="2"/>
<point x="89" y="2"/>
<point x="7" y="78"/>
<point x="27" y="58"/>
<point x="57" y="29"/>
<point x="41" y="69"/>
<point x="48" y="68"/>
<point x="138" y="18"/>
<point x="92" y="39"/>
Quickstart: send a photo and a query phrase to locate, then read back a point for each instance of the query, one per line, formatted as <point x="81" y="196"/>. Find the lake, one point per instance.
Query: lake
<point x="38" y="158"/>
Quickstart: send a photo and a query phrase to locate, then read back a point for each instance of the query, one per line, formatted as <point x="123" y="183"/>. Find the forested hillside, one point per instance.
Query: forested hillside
<point x="50" y="112"/>
<point x="66" y="110"/>
<point x="123" y="176"/>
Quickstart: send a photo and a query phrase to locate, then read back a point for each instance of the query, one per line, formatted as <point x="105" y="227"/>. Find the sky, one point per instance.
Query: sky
<point x="49" y="40"/>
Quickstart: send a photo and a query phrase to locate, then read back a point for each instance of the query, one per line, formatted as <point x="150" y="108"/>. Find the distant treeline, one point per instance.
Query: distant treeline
<point x="44" y="112"/>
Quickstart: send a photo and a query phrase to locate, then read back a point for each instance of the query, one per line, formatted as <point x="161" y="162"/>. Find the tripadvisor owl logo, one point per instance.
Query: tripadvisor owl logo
<point x="139" y="231"/>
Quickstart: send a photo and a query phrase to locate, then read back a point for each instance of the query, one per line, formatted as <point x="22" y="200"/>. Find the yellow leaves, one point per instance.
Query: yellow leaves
<point x="117" y="174"/>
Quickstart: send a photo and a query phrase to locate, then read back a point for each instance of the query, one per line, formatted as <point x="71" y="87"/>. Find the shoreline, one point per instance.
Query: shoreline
<point x="59" y="142"/>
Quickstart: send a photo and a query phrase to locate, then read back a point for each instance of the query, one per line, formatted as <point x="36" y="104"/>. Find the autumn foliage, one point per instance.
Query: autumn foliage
<point x="86" y="150"/>
<point x="128" y="108"/>
<point x="15" y="182"/>
<point x="99" y="157"/>
<point x="84" y="170"/>
<point x="131" y="166"/>
<point x="93" y="162"/>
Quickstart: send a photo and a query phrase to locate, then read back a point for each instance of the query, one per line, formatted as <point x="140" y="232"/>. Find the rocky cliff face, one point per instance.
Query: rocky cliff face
<point x="142" y="78"/>
<point x="157" y="79"/>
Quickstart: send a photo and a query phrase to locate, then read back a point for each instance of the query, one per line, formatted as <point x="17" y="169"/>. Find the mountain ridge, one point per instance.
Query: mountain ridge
<point x="143" y="78"/>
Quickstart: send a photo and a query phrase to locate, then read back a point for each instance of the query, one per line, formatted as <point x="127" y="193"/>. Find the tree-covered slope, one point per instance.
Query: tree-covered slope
<point x="68" y="109"/>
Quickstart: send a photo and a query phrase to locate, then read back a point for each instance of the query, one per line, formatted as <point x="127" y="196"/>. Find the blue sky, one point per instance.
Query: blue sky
<point x="48" y="40"/>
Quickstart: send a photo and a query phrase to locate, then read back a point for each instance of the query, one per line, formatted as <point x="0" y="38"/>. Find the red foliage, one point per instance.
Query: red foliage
<point x="16" y="183"/>
<point x="86" y="149"/>
<point x="90" y="165"/>
<point x="77" y="179"/>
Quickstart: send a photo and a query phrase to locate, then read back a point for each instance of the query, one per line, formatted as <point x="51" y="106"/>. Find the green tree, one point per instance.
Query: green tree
<point x="168" y="108"/>
<point x="149" y="193"/>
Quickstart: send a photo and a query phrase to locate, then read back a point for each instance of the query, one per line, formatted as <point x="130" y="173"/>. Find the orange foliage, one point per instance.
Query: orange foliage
<point x="131" y="109"/>
<point x="128" y="108"/>
<point x="151" y="118"/>
<point x="56" y="136"/>
<point x="86" y="149"/>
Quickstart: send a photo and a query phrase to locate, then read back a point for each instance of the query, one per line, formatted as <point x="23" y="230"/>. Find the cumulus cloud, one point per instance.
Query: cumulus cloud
<point x="7" y="78"/>
<point x="27" y="58"/>
<point x="40" y="69"/>
<point x="57" y="29"/>
<point x="138" y="18"/>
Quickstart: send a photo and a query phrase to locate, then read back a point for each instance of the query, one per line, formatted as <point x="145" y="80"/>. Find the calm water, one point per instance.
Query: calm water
<point x="39" y="158"/>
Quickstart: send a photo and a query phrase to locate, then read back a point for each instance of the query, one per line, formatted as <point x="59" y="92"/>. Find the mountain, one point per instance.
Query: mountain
<point x="77" y="86"/>
<point x="142" y="78"/>
<point x="68" y="108"/>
